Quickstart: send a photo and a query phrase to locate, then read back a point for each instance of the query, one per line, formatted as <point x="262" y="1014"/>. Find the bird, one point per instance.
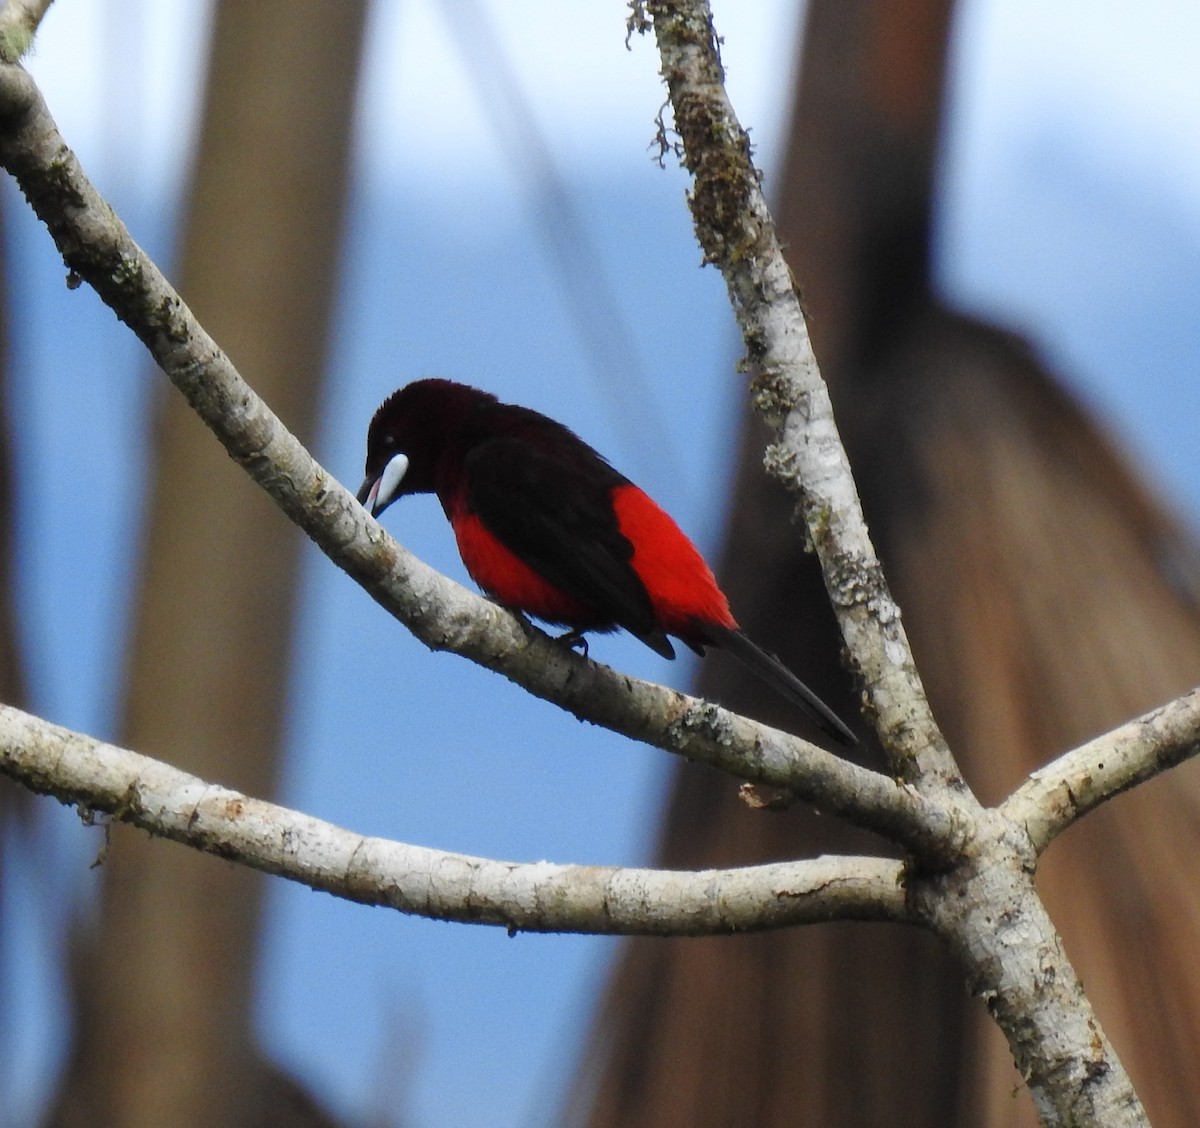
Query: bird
<point x="546" y="526"/>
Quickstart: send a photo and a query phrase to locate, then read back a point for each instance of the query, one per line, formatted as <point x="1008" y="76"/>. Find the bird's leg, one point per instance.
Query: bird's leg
<point x="575" y="640"/>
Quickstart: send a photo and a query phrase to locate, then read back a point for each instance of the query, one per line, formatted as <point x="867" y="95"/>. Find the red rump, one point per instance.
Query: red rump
<point x="680" y="584"/>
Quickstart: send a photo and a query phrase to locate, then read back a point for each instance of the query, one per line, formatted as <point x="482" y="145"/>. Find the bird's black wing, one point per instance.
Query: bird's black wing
<point x="551" y="505"/>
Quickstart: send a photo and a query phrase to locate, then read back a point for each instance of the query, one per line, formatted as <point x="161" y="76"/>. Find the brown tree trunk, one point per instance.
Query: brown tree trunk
<point x="165" y="981"/>
<point x="1047" y="597"/>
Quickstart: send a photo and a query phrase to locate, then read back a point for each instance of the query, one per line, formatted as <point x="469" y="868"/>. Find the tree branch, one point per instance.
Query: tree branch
<point x="539" y="897"/>
<point x="987" y="910"/>
<point x="736" y="231"/>
<point x="1079" y="781"/>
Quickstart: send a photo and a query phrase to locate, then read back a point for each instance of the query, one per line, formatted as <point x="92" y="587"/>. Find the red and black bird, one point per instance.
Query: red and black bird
<point x="546" y="526"/>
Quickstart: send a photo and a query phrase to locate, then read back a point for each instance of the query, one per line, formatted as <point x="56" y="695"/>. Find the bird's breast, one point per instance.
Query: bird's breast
<point x="511" y="581"/>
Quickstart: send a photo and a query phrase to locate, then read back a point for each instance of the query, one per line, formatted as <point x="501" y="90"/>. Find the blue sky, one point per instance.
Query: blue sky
<point x="1072" y="208"/>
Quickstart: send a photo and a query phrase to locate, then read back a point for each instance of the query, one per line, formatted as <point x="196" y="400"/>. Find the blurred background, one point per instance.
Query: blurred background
<point x="352" y="195"/>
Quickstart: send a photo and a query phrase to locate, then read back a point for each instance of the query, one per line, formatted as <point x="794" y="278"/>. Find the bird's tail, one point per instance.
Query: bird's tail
<point x="775" y="674"/>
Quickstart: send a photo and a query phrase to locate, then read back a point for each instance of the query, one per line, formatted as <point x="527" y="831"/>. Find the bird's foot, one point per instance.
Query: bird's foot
<point x="575" y="640"/>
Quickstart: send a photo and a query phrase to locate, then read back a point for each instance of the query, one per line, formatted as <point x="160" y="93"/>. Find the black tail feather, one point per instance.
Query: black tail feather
<point x="775" y="674"/>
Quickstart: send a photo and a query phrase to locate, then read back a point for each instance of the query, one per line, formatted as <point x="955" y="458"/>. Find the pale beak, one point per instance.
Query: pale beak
<point x="376" y="495"/>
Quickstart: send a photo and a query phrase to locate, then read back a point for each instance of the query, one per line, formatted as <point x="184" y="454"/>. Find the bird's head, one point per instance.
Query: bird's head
<point x="409" y="437"/>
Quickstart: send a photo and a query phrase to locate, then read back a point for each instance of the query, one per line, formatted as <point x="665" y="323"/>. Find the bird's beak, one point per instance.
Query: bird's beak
<point x="376" y="494"/>
<point x="367" y="493"/>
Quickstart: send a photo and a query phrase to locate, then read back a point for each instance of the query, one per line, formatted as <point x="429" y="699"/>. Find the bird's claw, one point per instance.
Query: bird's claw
<point x="575" y="640"/>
